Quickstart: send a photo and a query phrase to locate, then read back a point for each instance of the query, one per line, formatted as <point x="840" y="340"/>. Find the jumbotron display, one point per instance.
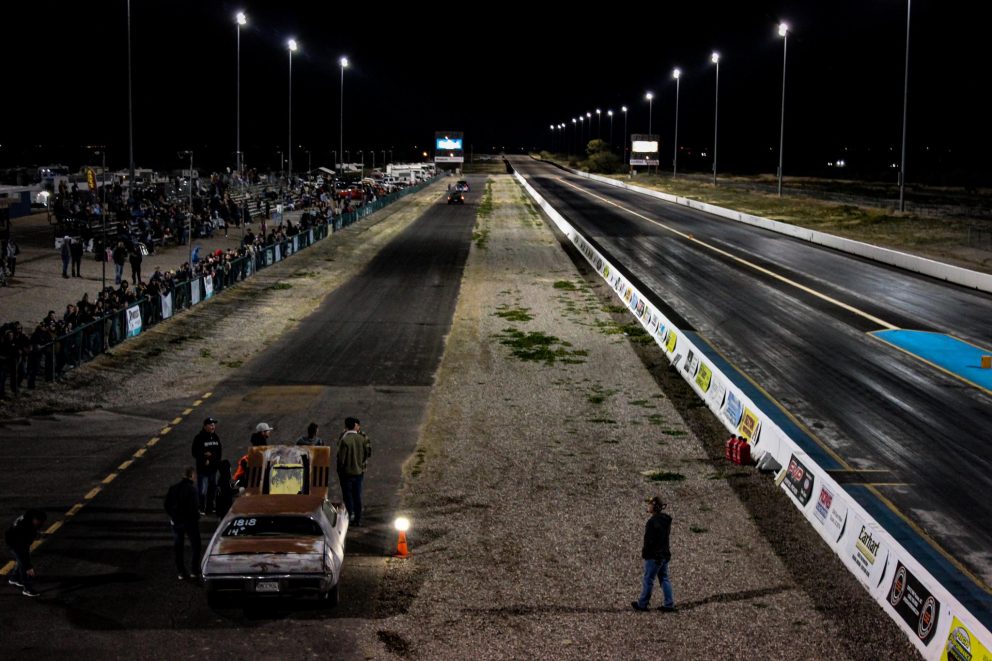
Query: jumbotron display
<point x="448" y="147"/>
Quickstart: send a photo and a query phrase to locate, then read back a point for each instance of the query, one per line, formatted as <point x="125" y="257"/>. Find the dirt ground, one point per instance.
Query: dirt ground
<point x="547" y="428"/>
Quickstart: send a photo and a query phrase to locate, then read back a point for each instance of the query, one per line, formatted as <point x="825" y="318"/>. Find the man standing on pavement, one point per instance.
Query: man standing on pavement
<point x="261" y="435"/>
<point x="354" y="450"/>
<point x="76" y="251"/>
<point x="19" y="538"/>
<point x="207" y="452"/>
<point x="66" y="255"/>
<point x="119" y="257"/>
<point x="180" y="505"/>
<point x="656" y="554"/>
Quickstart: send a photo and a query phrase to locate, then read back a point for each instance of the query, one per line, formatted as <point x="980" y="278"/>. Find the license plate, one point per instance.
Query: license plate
<point x="267" y="586"/>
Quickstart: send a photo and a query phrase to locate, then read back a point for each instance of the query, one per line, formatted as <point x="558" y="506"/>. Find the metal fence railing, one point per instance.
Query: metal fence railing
<point x="96" y="337"/>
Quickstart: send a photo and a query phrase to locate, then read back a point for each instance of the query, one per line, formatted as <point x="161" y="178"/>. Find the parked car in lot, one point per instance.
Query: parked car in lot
<point x="283" y="536"/>
<point x="456" y="197"/>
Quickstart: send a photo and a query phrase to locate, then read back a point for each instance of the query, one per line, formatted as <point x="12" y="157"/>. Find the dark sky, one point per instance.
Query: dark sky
<point x="499" y="72"/>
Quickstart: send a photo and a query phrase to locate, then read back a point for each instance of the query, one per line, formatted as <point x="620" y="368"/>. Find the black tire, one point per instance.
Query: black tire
<point x="332" y="598"/>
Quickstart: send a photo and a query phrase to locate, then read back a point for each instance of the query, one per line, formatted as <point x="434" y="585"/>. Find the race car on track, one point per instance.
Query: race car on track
<point x="456" y="197"/>
<point x="283" y="536"/>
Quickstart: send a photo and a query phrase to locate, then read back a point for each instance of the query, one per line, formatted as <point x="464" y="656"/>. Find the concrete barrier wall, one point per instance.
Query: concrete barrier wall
<point x="933" y="619"/>
<point x="914" y="263"/>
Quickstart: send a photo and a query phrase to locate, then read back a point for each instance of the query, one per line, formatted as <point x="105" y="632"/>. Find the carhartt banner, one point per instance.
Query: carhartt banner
<point x="167" y="305"/>
<point x="133" y="321"/>
<point x="91" y="179"/>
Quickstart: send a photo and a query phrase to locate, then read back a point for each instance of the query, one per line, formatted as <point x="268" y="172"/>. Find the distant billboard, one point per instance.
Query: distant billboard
<point x="644" y="149"/>
<point x="448" y="147"/>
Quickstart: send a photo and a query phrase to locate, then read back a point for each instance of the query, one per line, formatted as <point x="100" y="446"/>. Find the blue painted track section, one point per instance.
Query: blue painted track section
<point x="954" y="355"/>
<point x="970" y="595"/>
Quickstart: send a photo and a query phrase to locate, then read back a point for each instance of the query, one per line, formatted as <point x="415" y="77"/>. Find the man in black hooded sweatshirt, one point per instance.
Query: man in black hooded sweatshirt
<point x="19" y="537"/>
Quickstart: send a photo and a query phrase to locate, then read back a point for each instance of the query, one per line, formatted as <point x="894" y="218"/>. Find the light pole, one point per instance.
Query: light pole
<point x="650" y="97"/>
<point x="189" y="216"/>
<point x="582" y="133"/>
<point x="715" y="59"/>
<point x="302" y="148"/>
<point x="588" y="128"/>
<point x="783" y="31"/>
<point x="552" y="127"/>
<point x="240" y="19"/>
<point x="384" y="158"/>
<point x="289" y="144"/>
<point x="624" y="110"/>
<point x="905" y="101"/>
<point x="610" y="114"/>
<point x="575" y="135"/>
<point x="344" y="65"/>
<point x="362" y="170"/>
<point x="372" y="151"/>
<point x="599" y="123"/>
<point x="677" y="75"/>
<point x="282" y="160"/>
<point x="130" y="107"/>
<point x="102" y="151"/>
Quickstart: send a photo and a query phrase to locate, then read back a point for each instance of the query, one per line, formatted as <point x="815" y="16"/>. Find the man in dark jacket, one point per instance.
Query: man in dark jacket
<point x="181" y="506"/>
<point x="19" y="538"/>
<point x="262" y="433"/>
<point x="207" y="451"/>
<point x="354" y="450"/>
<point x="656" y="554"/>
<point x="76" y="251"/>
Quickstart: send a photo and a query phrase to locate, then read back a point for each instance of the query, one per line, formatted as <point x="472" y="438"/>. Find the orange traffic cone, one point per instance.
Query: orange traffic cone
<point x="401" y="549"/>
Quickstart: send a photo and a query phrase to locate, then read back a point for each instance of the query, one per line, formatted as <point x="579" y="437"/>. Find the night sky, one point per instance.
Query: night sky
<point x="499" y="72"/>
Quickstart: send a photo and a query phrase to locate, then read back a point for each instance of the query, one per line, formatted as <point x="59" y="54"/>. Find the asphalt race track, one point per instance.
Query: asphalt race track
<point x="370" y="350"/>
<point x="899" y="427"/>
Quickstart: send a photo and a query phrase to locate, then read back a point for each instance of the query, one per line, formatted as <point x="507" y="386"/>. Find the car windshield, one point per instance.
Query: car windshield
<point x="276" y="526"/>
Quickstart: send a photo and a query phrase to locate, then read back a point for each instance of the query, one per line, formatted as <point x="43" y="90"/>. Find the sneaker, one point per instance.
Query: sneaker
<point x="669" y="609"/>
<point x="28" y="592"/>
<point x="637" y="607"/>
<point x="15" y="583"/>
<point x="183" y="577"/>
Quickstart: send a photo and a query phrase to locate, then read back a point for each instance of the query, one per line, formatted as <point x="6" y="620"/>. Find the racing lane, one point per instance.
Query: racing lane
<point x="370" y="350"/>
<point x="925" y="432"/>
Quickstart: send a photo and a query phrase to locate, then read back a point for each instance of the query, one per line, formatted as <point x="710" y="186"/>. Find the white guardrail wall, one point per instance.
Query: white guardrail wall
<point x="914" y="263"/>
<point x="934" y="620"/>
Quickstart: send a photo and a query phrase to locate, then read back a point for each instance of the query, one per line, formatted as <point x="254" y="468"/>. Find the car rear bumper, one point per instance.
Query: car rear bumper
<point x="270" y="584"/>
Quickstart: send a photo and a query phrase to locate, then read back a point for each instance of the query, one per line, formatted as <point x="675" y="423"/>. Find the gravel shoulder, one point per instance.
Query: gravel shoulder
<point x="548" y="426"/>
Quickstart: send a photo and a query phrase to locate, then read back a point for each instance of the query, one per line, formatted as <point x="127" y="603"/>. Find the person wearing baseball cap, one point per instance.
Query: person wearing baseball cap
<point x="262" y="432"/>
<point x="656" y="554"/>
<point x="207" y="451"/>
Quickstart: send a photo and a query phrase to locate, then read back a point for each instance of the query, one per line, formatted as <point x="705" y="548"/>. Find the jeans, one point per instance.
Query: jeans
<point x="179" y="531"/>
<point x="20" y="571"/>
<point x="208" y="489"/>
<point x="118" y="273"/>
<point x="656" y="569"/>
<point x="351" y="492"/>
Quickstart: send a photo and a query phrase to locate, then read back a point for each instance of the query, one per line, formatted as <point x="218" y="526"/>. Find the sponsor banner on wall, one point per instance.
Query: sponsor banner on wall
<point x="208" y="286"/>
<point x="296" y="243"/>
<point x="671" y="341"/>
<point x="799" y="481"/>
<point x="627" y="295"/>
<point x="962" y="645"/>
<point x="831" y="513"/>
<point x="691" y="363"/>
<point x="640" y="308"/>
<point x="133" y="321"/>
<point x="748" y="428"/>
<point x="194" y="292"/>
<point x="310" y="232"/>
<point x="914" y="603"/>
<point x="268" y="256"/>
<point x="704" y="377"/>
<point x="167" y="305"/>
<point x="716" y="393"/>
<point x="278" y="251"/>
<point x="734" y="409"/>
<point x="865" y="551"/>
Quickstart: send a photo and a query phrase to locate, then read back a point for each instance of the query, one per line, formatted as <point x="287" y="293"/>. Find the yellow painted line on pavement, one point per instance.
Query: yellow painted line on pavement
<point x="75" y="509"/>
<point x="165" y="430"/>
<point x="36" y="543"/>
<point x="7" y="568"/>
<point x="124" y="466"/>
<point x="92" y="494"/>
<point x="139" y="453"/>
<point x="152" y="442"/>
<point x="197" y="402"/>
<point x="110" y="478"/>
<point x="52" y="528"/>
<point x="187" y="411"/>
<point x="739" y="260"/>
<point x="207" y="395"/>
<point x="176" y="421"/>
<point x="869" y="487"/>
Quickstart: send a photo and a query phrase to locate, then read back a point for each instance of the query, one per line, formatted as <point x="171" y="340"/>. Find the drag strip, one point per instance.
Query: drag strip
<point x="370" y="351"/>
<point x="876" y="408"/>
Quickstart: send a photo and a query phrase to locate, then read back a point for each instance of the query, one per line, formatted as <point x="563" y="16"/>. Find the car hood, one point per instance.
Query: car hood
<point x="266" y="556"/>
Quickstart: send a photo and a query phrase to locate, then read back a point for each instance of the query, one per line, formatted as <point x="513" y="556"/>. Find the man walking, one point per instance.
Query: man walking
<point x="656" y="555"/>
<point x="19" y="537"/>
<point x="181" y="506"/>
<point x="207" y="452"/>
<point x="354" y="450"/>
